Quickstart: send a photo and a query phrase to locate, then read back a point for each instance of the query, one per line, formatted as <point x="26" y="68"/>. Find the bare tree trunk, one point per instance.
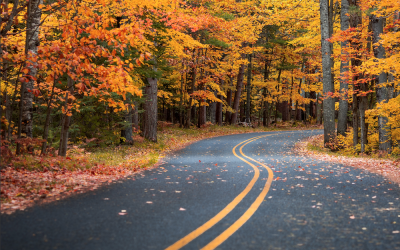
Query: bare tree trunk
<point x="385" y="143"/>
<point x="344" y="87"/>
<point x="329" y="102"/>
<point x="238" y="93"/>
<point x="150" y="110"/>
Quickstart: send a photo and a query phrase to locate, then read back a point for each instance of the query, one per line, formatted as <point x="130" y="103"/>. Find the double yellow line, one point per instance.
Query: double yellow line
<point x="245" y="217"/>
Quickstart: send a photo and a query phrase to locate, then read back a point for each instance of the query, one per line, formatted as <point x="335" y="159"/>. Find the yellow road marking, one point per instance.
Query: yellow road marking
<point x="252" y="209"/>
<point x="214" y="220"/>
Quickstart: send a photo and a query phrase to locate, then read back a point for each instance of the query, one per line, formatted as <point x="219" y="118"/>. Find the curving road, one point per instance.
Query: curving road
<point x="233" y="192"/>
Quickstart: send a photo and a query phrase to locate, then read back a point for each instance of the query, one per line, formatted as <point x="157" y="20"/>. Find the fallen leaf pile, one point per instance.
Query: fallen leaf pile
<point x="389" y="169"/>
<point x="21" y="188"/>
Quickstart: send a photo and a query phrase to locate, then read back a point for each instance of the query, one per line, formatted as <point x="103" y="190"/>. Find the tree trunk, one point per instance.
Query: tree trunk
<point x="329" y="102"/>
<point x="31" y="50"/>
<point x="150" y="110"/>
<point x="344" y="64"/>
<point x="242" y="115"/>
<point x="318" y="109"/>
<point x="355" y="119"/>
<point x="219" y="112"/>
<point x="181" y="102"/>
<point x="266" y="106"/>
<point x="62" y="151"/>
<point x="363" y="126"/>
<point x="213" y="109"/>
<point x="173" y="113"/>
<point x="135" y="116"/>
<point x="391" y="79"/>
<point x="228" y="114"/>
<point x="285" y="110"/>
<point x="9" y="110"/>
<point x="192" y="89"/>
<point x="312" y="104"/>
<point x="47" y="122"/>
<point x="127" y="131"/>
<point x="307" y="108"/>
<point x="385" y="143"/>
<point x="248" y="89"/>
<point x="268" y="114"/>
<point x="202" y="115"/>
<point x="355" y="21"/>
<point x="238" y="93"/>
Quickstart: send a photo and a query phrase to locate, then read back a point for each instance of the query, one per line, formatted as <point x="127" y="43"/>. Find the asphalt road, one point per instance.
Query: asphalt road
<point x="303" y="204"/>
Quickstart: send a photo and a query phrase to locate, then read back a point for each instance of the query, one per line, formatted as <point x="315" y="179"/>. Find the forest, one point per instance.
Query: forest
<point x="104" y="71"/>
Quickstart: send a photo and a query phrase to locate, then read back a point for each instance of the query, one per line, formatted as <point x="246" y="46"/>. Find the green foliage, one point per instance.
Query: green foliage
<point x="217" y="43"/>
<point x="225" y="15"/>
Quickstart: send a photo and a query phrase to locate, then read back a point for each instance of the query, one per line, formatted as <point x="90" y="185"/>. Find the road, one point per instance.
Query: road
<point x="244" y="191"/>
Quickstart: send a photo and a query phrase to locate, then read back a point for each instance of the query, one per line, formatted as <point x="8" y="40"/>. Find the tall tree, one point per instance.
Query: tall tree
<point x="329" y="102"/>
<point x="385" y="143"/>
<point x="31" y="50"/>
<point x="150" y="109"/>
<point x="238" y="93"/>
<point x="344" y="64"/>
<point x="355" y="21"/>
<point x="248" y="89"/>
